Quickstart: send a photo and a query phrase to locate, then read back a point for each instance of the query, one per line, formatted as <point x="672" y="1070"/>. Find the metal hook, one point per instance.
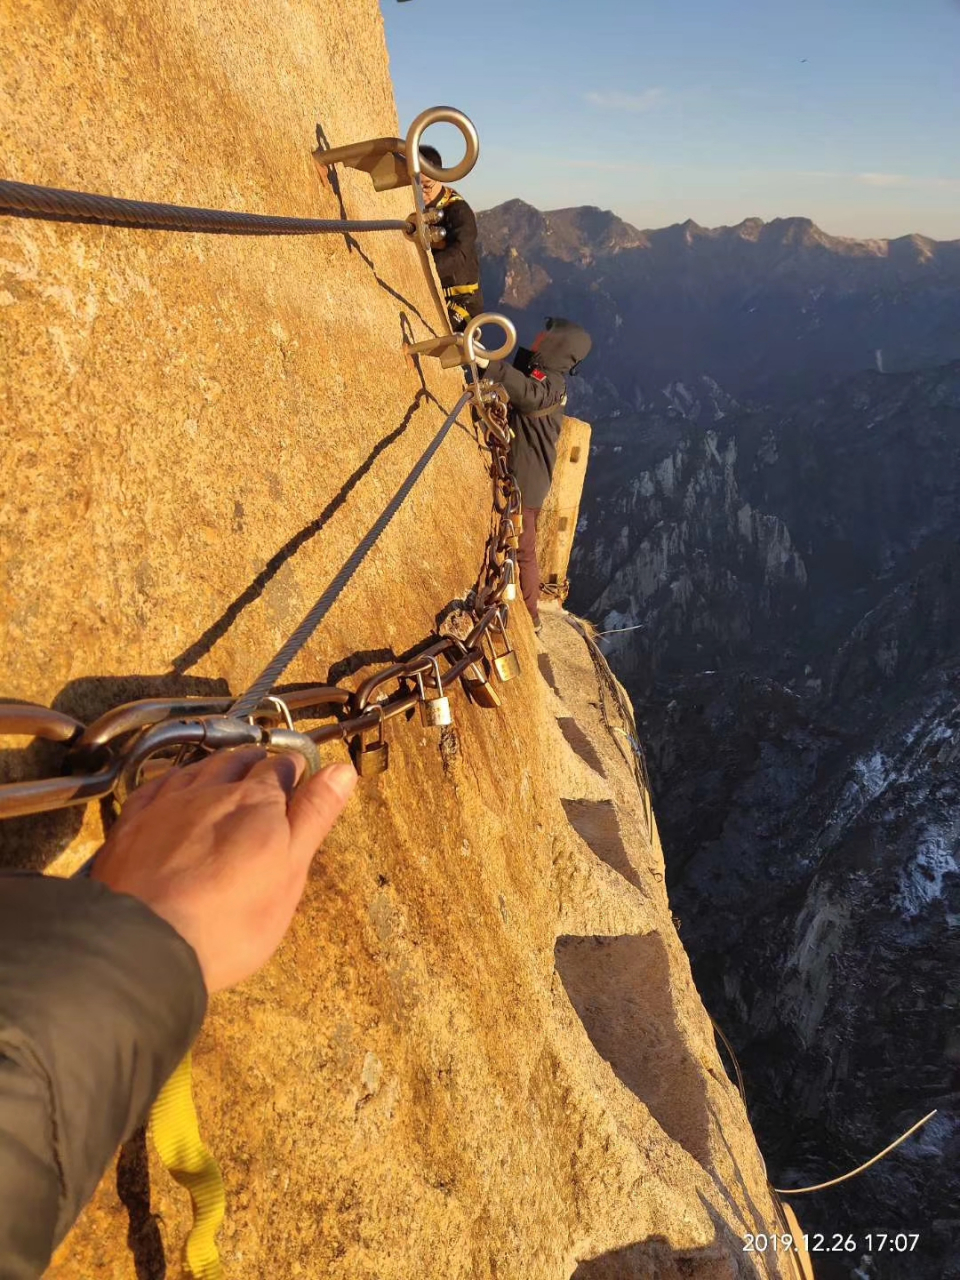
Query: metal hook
<point x="282" y="707"/>
<point x="472" y="348"/>
<point x="441" y="115"/>
<point x="279" y="741"/>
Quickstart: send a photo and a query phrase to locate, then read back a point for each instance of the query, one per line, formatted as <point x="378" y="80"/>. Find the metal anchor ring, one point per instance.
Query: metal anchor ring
<point x="441" y="115"/>
<point x="472" y="348"/>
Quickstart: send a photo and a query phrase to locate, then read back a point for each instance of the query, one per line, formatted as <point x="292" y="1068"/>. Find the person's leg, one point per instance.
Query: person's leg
<point x="527" y="562"/>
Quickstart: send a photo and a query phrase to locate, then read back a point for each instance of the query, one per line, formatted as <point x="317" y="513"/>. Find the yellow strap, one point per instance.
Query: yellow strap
<point x="460" y="312"/>
<point x="457" y="290"/>
<point x="449" y="197"/>
<point x="176" y="1135"/>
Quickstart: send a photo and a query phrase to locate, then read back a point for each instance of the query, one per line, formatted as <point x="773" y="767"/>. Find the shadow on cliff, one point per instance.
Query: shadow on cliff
<point x="32" y="842"/>
<point x="620" y="988"/>
<point x="144" y="1239"/>
<point x="333" y="180"/>
<point x="581" y="744"/>
<point x="756" y="1222"/>
<point x="656" y="1259"/>
<point x="595" y="822"/>
<point x="190" y="656"/>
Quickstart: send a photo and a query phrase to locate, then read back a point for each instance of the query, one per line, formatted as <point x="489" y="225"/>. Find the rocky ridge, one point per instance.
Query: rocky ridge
<point x="764" y="308"/>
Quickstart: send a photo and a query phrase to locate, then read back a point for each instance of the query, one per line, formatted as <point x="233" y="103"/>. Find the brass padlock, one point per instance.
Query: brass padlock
<point x="369" y="761"/>
<point x="510" y="584"/>
<point x="518" y="521"/>
<point x="434" y="711"/>
<point x="476" y="681"/>
<point x="507" y="664"/>
<point x="513" y="537"/>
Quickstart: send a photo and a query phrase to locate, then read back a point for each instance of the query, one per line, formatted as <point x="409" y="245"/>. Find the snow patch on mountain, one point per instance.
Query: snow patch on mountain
<point x="922" y="880"/>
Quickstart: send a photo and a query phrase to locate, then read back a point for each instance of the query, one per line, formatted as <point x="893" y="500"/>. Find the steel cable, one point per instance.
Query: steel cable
<point x="272" y="672"/>
<point x="22" y="199"/>
<point x="845" y="1177"/>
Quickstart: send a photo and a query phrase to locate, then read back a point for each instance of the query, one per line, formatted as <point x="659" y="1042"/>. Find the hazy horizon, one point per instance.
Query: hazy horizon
<point x="718" y="111"/>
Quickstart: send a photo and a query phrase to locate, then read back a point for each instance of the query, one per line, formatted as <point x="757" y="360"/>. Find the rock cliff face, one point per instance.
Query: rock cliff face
<point x="480" y="1052"/>
<point x="763" y="308"/>
<point x="796" y="580"/>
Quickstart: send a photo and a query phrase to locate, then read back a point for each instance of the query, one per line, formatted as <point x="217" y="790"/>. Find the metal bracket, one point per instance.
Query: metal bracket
<point x="453" y="349"/>
<point x="385" y="159"/>
<point x="382" y="158"/>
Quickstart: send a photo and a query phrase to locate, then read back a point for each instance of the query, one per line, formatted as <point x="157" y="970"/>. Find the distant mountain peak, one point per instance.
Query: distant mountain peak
<point x="750" y="228"/>
<point x="575" y="234"/>
<point x="754" y="305"/>
<point x="516" y="206"/>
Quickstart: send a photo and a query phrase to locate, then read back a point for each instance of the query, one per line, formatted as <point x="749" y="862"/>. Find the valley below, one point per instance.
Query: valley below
<point x="770" y="539"/>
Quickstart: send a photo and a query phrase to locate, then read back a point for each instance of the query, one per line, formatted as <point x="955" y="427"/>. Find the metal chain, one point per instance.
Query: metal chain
<point x="23" y="199"/>
<point x="113" y="754"/>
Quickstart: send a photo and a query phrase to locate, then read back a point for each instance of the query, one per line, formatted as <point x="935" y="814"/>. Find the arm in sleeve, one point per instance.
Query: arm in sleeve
<point x="526" y="394"/>
<point x="99" y="1001"/>
<point x="457" y="259"/>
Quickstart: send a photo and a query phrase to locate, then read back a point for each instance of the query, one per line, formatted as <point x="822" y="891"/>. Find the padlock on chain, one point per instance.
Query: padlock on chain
<point x="513" y="537"/>
<point x="476" y="681"/>
<point x="375" y="758"/>
<point x="509" y="592"/>
<point x="434" y="711"/>
<point x="506" y="664"/>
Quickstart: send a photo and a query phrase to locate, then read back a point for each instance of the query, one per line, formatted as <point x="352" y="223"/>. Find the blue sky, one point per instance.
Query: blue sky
<point x="667" y="109"/>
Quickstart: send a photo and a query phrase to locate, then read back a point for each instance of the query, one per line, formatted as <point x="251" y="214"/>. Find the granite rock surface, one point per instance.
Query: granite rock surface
<point x="480" y="1051"/>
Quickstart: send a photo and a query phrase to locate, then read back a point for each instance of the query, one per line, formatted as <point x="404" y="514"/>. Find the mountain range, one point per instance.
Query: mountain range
<point x="764" y="308"/>
<point x="770" y="537"/>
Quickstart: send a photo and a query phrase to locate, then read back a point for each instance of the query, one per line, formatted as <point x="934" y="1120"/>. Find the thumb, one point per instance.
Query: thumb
<point x="316" y="806"/>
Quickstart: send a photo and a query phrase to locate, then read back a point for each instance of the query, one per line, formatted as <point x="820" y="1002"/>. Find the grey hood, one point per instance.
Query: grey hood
<point x="563" y="345"/>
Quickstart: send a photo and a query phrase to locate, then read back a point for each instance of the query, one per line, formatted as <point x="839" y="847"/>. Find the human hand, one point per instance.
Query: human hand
<point x="221" y="850"/>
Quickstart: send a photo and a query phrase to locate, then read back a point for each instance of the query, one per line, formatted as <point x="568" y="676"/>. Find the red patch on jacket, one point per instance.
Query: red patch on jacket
<point x="538" y="374"/>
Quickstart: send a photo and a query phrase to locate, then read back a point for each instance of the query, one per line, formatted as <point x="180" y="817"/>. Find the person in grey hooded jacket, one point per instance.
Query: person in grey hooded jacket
<point x="537" y="387"/>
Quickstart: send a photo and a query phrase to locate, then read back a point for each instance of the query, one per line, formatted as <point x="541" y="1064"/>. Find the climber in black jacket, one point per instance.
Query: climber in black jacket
<point x="458" y="264"/>
<point x="104" y="980"/>
<point x="537" y="386"/>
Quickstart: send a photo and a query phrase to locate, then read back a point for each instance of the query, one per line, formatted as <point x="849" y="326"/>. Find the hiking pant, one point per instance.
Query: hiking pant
<point x="527" y="562"/>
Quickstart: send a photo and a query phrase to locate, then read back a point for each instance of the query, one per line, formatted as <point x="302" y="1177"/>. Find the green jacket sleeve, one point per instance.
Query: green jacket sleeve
<point x="99" y="1001"/>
